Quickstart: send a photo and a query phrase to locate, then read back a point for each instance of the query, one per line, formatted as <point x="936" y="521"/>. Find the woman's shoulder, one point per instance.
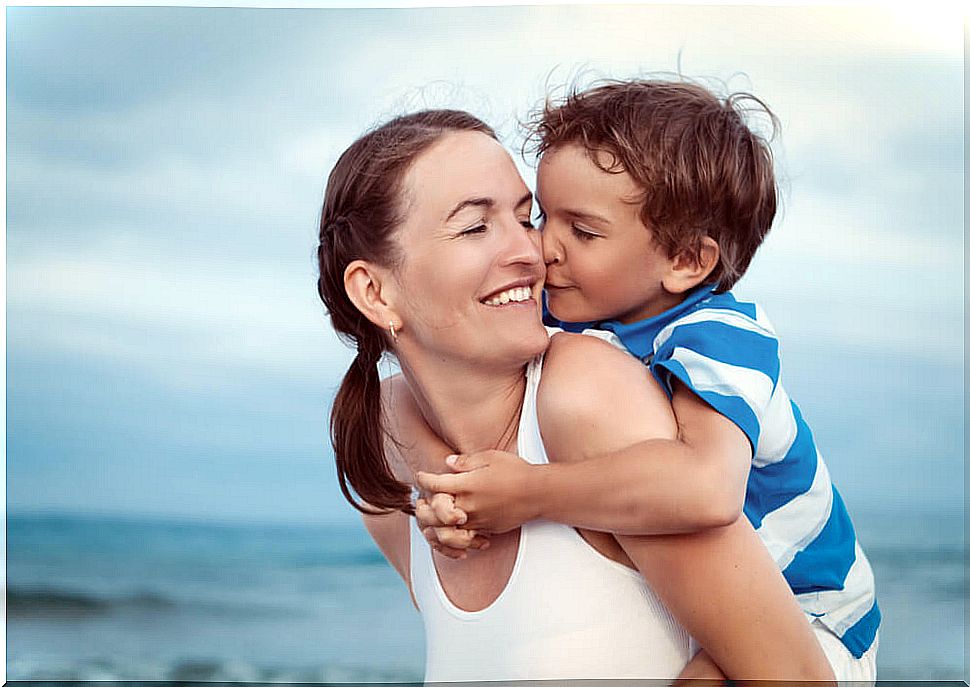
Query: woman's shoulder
<point x="594" y="394"/>
<point x="591" y="365"/>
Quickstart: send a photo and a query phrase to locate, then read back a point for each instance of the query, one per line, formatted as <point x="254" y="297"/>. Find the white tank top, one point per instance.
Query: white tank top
<point x="566" y="612"/>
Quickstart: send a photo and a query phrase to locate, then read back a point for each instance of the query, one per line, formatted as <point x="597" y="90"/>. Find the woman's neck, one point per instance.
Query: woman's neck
<point x="469" y="408"/>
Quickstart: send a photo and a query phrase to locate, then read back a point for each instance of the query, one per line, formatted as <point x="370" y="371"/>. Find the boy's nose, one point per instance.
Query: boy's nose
<point x="551" y="249"/>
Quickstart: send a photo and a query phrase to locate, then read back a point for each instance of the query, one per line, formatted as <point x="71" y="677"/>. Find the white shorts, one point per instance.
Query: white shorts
<point x="847" y="668"/>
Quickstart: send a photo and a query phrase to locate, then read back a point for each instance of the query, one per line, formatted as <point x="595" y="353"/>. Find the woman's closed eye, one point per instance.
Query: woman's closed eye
<point x="482" y="227"/>
<point x="477" y="228"/>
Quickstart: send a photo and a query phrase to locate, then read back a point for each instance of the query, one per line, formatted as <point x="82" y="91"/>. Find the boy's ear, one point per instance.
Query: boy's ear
<point x="370" y="289"/>
<point x="687" y="270"/>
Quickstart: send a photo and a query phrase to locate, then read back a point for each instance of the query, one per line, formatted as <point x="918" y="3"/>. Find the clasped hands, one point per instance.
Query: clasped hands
<point x="489" y="492"/>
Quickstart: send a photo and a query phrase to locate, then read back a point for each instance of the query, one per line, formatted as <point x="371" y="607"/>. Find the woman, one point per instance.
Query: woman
<point x="427" y="251"/>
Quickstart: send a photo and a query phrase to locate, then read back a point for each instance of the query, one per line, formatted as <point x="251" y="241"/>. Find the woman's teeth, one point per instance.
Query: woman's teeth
<point x="523" y="293"/>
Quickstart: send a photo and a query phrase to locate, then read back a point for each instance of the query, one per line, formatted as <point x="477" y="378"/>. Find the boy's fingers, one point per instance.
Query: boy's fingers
<point x="425" y="515"/>
<point x="445" y="510"/>
<point x="479" y="542"/>
<point x="465" y="462"/>
<point x="454" y="537"/>
<point x="457" y="554"/>
<point x="431" y="482"/>
<point x="421" y="479"/>
<point x="431" y="536"/>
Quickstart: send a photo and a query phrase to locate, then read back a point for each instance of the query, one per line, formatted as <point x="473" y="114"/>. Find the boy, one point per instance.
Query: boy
<point x="655" y="196"/>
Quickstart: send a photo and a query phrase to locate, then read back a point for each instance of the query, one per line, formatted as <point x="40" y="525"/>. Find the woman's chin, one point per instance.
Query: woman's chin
<point x="534" y="342"/>
<point x="515" y="346"/>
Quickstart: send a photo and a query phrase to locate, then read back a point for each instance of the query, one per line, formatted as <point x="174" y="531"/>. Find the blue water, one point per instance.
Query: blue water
<point x="124" y="599"/>
<point x="106" y="598"/>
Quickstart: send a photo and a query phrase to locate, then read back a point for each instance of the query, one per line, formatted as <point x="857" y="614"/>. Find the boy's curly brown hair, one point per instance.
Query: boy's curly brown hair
<point x="702" y="170"/>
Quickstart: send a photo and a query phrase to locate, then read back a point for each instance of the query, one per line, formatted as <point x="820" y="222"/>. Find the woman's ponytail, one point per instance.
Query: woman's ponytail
<point x="357" y="433"/>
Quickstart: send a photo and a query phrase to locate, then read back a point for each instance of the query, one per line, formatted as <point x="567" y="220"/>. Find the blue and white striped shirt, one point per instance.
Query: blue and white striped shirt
<point x="726" y="352"/>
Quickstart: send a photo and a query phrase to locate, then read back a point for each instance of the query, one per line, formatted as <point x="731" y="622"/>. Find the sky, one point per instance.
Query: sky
<point x="166" y="350"/>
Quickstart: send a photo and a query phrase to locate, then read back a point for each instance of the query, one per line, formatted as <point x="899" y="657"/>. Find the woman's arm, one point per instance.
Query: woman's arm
<point x="721" y="584"/>
<point x="390" y="533"/>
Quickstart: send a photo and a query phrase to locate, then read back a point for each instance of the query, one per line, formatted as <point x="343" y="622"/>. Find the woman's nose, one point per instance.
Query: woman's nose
<point x="524" y="246"/>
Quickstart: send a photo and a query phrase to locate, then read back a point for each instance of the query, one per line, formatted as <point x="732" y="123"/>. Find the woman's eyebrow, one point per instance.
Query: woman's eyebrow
<point x="471" y="202"/>
<point x="485" y="203"/>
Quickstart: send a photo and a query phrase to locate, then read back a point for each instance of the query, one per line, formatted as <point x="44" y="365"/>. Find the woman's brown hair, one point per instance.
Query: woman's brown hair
<point x="362" y="208"/>
<point x="701" y="169"/>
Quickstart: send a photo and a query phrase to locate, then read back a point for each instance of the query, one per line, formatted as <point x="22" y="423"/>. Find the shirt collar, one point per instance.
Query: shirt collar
<point x="638" y="336"/>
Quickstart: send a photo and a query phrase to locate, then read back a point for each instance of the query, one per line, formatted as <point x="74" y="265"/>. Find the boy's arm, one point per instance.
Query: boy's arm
<point x="728" y="593"/>
<point x="721" y="584"/>
<point x="654" y="486"/>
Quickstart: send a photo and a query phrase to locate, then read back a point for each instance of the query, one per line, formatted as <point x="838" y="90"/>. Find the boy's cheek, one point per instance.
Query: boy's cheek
<point x="567" y="305"/>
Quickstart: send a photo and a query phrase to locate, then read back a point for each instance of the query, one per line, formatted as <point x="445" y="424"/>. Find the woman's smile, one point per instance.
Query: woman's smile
<point x="518" y="293"/>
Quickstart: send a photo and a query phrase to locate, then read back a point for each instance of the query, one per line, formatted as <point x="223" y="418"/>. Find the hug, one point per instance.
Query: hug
<point x="628" y="492"/>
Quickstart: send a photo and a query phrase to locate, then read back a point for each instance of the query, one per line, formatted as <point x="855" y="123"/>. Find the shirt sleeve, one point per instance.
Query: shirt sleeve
<point x="727" y="359"/>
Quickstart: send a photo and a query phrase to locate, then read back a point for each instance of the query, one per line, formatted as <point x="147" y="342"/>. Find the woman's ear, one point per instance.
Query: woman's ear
<point x="687" y="269"/>
<point x="369" y="289"/>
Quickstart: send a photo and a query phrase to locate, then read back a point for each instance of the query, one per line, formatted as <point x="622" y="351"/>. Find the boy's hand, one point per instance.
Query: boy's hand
<point x="492" y="490"/>
<point x="439" y="522"/>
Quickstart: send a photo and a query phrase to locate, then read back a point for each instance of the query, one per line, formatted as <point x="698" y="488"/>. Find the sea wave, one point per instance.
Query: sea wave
<point x="54" y="601"/>
<point x="912" y="556"/>
<point x="205" y="670"/>
<point x="335" y="559"/>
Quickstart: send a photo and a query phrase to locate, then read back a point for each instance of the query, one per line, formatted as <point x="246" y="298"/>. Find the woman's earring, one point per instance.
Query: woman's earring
<point x="390" y="325"/>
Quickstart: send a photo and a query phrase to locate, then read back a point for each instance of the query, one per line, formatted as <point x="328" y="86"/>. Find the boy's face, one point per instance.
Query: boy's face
<point x="601" y="261"/>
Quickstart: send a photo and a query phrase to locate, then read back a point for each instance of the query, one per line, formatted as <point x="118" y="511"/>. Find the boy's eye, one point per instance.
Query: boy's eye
<point x="540" y="218"/>
<point x="584" y="235"/>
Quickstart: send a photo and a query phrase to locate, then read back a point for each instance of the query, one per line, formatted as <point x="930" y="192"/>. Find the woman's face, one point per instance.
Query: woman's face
<point x="470" y="279"/>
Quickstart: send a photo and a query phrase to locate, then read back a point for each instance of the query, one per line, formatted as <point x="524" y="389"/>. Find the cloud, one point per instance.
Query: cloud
<point x="166" y="167"/>
<point x="110" y="59"/>
<point x="141" y="308"/>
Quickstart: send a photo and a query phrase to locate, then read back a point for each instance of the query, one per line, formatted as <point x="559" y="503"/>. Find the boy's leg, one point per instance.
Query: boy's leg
<point x="847" y="668"/>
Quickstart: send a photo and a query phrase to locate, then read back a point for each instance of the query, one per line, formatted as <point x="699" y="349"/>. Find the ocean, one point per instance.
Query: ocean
<point x="109" y="598"/>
